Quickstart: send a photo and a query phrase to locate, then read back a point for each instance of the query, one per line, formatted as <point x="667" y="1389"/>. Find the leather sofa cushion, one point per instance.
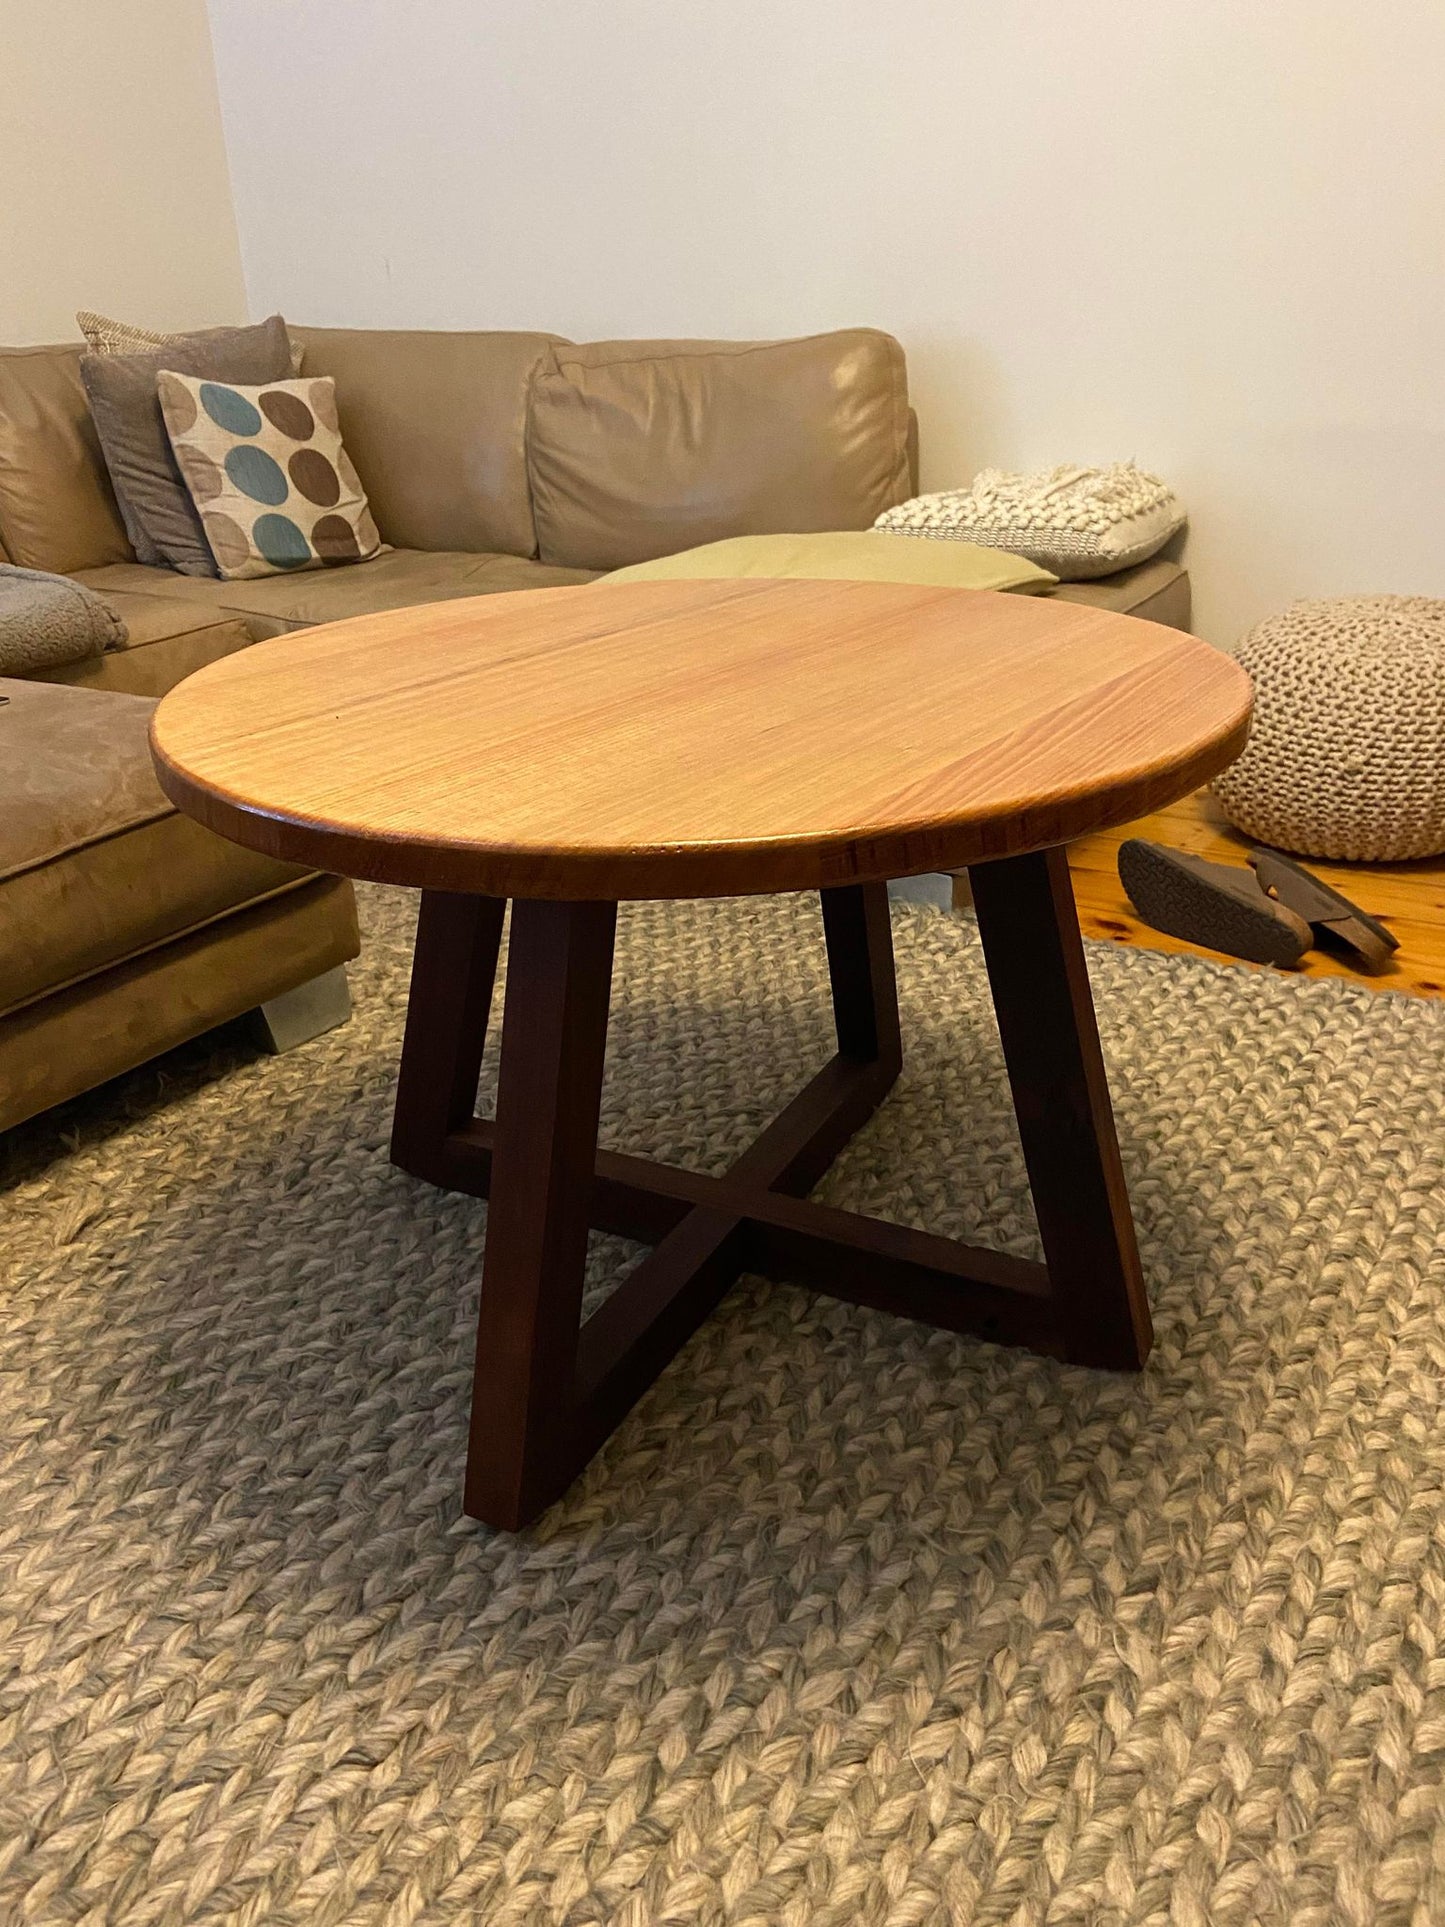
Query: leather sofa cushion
<point x="848" y="555"/>
<point x="158" y="605"/>
<point x="1156" y="591"/>
<point x="150" y="618"/>
<point x="168" y="637"/>
<point x="640" y="448"/>
<point x="59" y="1044"/>
<point x="436" y="425"/>
<point x="271" y="605"/>
<point x="75" y="768"/>
<point x="95" y="864"/>
<point x="57" y="508"/>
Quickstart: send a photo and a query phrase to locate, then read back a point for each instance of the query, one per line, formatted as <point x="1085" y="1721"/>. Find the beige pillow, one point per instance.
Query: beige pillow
<point x="272" y="484"/>
<point x="104" y="336"/>
<point x="849" y="557"/>
<point x="1079" y="522"/>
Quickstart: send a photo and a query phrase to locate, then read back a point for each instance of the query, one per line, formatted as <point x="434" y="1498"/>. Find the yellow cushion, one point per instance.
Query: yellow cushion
<point x="853" y="556"/>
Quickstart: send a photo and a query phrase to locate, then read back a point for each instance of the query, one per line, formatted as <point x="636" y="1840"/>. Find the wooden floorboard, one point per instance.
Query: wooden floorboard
<point x="1408" y="897"/>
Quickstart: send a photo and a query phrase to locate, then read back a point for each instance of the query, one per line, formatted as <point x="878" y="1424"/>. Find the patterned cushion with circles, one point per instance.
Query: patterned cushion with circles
<point x="1075" y="522"/>
<point x="1346" y="753"/>
<point x="272" y="484"/>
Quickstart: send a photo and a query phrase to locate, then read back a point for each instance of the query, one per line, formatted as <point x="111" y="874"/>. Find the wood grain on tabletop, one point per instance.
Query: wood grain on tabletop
<point x="694" y="738"/>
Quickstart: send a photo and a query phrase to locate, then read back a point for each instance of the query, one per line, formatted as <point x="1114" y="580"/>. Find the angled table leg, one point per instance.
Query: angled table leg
<point x="549" y="1388"/>
<point x="1040" y="984"/>
<point x="453" y="973"/>
<point x="554" y="1040"/>
<point x="858" y="932"/>
<point x="713" y="1233"/>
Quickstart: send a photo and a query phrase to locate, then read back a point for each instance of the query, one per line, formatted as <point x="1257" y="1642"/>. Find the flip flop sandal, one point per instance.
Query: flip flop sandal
<point x="1324" y="909"/>
<point x="1213" y="904"/>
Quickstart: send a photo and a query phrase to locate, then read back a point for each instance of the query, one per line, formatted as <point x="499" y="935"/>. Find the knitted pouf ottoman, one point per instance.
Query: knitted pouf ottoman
<point x="1346" y="756"/>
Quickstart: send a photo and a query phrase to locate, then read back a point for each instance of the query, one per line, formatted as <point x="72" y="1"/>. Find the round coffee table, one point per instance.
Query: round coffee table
<point x="570" y="748"/>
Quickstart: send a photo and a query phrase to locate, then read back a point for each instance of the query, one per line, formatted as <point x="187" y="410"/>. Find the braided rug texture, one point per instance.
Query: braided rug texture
<point x="852" y="1621"/>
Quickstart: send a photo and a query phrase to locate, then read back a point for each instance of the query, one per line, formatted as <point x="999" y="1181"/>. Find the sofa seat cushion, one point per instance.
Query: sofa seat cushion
<point x="167" y="638"/>
<point x="151" y="618"/>
<point x="398" y="579"/>
<point x="96" y="866"/>
<point x="1156" y="591"/>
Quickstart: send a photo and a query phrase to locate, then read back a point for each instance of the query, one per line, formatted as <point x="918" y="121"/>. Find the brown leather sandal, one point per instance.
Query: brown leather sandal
<point x="1327" y="912"/>
<point x="1216" y="905"/>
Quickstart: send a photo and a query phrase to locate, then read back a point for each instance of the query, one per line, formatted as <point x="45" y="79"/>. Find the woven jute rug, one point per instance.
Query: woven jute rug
<point x="853" y="1621"/>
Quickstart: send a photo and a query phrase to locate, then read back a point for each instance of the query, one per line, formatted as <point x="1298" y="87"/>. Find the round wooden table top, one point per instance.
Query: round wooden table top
<point x="691" y="738"/>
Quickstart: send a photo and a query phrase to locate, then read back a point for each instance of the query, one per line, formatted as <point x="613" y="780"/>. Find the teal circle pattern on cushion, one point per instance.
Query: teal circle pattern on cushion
<point x="267" y="474"/>
<point x="229" y="410"/>
<point x="257" y="474"/>
<point x="281" y="542"/>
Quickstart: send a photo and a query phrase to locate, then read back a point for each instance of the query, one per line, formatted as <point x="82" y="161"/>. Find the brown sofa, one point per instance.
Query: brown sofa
<point x="493" y="461"/>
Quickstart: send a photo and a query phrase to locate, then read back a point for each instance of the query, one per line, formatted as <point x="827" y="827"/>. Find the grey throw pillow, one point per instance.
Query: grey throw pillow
<point x="155" y="504"/>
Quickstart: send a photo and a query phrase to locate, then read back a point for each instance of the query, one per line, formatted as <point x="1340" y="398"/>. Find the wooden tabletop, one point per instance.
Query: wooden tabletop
<point x="661" y="739"/>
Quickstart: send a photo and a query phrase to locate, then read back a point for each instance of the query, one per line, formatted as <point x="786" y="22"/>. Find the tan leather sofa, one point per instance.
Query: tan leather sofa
<point x="124" y="926"/>
<point x="493" y="461"/>
<point x="497" y="461"/>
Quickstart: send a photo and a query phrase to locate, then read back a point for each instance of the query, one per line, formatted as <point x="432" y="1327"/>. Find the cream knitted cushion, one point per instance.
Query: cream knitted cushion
<point x="1346" y="756"/>
<point x="1076" y="522"/>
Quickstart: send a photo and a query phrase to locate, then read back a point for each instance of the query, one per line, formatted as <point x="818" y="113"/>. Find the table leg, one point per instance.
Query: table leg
<point x="858" y="933"/>
<point x="453" y="973"/>
<point x="554" y="1039"/>
<point x="1040" y="984"/>
<point x="549" y="1388"/>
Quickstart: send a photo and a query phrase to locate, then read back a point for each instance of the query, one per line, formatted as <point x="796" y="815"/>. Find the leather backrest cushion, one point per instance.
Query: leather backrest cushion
<point x="57" y="508"/>
<point x="436" y="425"/>
<point x="637" y="449"/>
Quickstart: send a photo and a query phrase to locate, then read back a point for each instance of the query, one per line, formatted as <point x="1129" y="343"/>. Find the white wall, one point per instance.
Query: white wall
<point x="114" y="192"/>
<point x="1208" y="234"/>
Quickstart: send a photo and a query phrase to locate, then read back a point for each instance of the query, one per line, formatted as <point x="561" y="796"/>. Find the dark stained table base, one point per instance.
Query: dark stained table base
<point x="548" y="1387"/>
